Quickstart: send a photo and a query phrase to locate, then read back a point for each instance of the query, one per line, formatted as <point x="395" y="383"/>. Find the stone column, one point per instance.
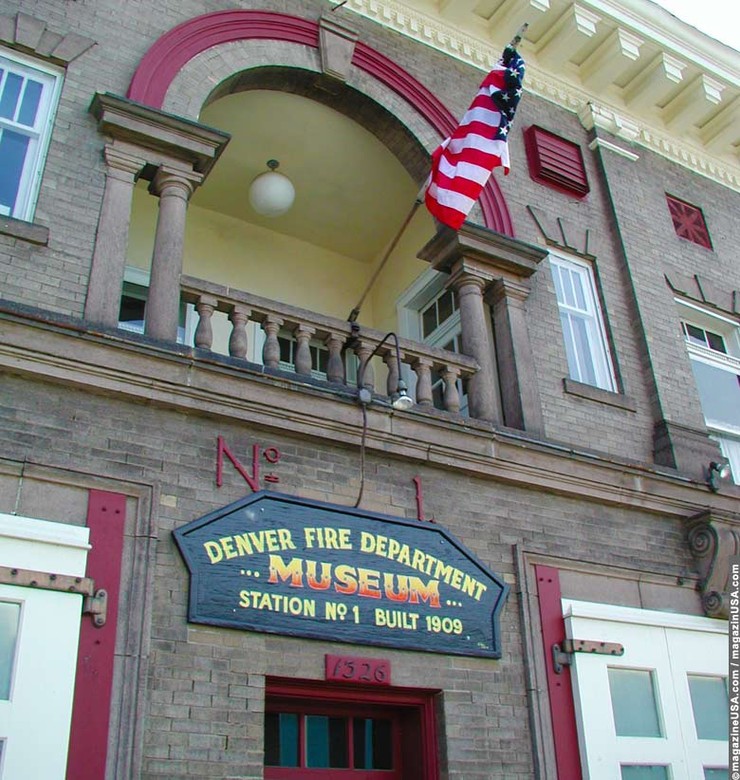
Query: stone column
<point x="520" y="397"/>
<point x="174" y="188"/>
<point x="103" y="302"/>
<point x="477" y="341"/>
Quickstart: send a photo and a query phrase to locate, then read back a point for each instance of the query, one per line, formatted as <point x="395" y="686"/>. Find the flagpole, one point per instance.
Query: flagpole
<point x="354" y="314"/>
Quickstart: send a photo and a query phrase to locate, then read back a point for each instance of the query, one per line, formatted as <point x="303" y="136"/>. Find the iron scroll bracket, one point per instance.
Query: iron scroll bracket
<point x="94" y="601"/>
<point x="562" y="654"/>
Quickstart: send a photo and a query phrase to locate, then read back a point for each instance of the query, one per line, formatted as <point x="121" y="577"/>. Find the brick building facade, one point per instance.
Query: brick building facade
<point x="170" y="360"/>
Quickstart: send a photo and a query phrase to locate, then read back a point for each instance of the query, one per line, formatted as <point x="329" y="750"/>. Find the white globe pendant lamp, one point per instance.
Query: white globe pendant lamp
<point x="271" y="193"/>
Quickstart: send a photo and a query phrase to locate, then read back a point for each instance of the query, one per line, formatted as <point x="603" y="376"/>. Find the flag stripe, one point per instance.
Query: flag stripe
<point x="463" y="163"/>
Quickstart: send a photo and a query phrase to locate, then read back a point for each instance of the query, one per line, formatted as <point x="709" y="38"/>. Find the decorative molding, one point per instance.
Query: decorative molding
<point x="31" y="35"/>
<point x="600" y="143"/>
<point x="483" y="54"/>
<point x="337" y="45"/>
<point x="713" y="540"/>
<point x="559" y="232"/>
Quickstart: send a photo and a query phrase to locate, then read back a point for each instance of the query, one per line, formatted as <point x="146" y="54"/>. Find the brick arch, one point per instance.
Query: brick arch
<point x="173" y="50"/>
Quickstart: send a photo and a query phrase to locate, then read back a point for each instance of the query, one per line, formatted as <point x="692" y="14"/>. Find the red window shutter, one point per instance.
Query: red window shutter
<point x="555" y="161"/>
<point x="688" y="222"/>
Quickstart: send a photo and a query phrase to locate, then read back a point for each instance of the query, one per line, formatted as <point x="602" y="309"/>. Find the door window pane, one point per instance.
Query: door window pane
<point x="373" y="744"/>
<point x="716" y="774"/>
<point x="326" y="742"/>
<point x="710" y="704"/>
<point x="633" y="704"/>
<point x="10" y="614"/>
<point x="281" y="739"/>
<point x="634" y="772"/>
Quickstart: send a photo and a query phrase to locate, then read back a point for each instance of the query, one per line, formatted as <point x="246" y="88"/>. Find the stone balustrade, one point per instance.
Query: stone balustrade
<point x="336" y="336"/>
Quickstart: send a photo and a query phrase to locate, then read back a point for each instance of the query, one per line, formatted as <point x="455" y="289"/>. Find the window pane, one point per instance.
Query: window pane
<point x="429" y="320"/>
<point x="286" y="350"/>
<point x="445" y="306"/>
<point x="635" y="772"/>
<point x="633" y="704"/>
<point x="9" y="98"/>
<point x="30" y="104"/>
<point x="281" y="739"/>
<point x="13" y="148"/>
<point x="716" y="774"/>
<point x="326" y="742"/>
<point x="373" y="747"/>
<point x="695" y="335"/>
<point x="716" y="342"/>
<point x="710" y="704"/>
<point x="582" y="344"/>
<point x="9" y="618"/>
<point x="719" y="391"/>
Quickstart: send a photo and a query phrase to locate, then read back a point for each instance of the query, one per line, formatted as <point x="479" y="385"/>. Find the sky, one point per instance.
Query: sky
<point x="718" y="18"/>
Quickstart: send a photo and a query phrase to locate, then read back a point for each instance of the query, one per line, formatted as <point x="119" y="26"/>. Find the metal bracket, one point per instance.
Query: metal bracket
<point x="562" y="654"/>
<point x="94" y="602"/>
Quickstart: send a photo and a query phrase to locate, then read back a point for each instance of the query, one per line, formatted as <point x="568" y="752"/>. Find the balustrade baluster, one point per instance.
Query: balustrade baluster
<point x="389" y="358"/>
<point x="335" y="364"/>
<point x="271" y="350"/>
<point x="423" y="368"/>
<point x="302" y="358"/>
<point x="239" y="316"/>
<point x="363" y="350"/>
<point x="205" y="307"/>
<point x="450" y="375"/>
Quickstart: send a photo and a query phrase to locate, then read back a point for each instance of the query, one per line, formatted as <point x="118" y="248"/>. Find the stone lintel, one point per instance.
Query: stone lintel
<point x="156" y="131"/>
<point x="496" y="255"/>
<point x="714" y="539"/>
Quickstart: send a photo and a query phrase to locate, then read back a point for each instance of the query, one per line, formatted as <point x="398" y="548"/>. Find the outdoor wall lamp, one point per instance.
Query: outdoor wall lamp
<point x="400" y="398"/>
<point x="271" y="193"/>
<point x="716" y="473"/>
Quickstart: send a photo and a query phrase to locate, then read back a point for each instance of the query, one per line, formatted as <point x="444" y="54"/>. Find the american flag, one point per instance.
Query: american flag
<point x="463" y="163"/>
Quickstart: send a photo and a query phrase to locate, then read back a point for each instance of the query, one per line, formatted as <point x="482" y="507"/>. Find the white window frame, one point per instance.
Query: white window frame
<point x="593" y="318"/>
<point x="727" y="435"/>
<point x="40" y="135"/>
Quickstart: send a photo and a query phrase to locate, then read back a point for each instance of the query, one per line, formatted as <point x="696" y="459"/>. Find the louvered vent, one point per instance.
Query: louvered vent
<point x="555" y="161"/>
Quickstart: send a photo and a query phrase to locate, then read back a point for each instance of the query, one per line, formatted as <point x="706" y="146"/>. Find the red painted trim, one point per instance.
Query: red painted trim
<point x="88" y="741"/>
<point x="559" y="686"/>
<point x="173" y="50"/>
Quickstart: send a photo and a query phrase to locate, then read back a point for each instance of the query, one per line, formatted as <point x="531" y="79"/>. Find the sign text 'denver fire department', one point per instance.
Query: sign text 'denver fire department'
<point x="286" y="565"/>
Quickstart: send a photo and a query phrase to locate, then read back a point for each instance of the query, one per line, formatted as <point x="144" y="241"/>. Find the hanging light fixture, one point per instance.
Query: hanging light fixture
<point x="271" y="193"/>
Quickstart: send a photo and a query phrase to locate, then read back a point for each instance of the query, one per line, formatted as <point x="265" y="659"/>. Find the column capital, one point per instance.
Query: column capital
<point x="512" y="292"/>
<point x="174" y="181"/>
<point x="121" y="164"/>
<point x="463" y="273"/>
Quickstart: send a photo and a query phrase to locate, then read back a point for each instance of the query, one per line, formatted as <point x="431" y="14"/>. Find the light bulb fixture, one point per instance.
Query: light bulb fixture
<point x="271" y="193"/>
<point x="399" y="396"/>
<point x="715" y="473"/>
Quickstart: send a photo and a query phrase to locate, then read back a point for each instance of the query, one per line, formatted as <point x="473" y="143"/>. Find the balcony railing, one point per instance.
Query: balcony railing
<point x="337" y="337"/>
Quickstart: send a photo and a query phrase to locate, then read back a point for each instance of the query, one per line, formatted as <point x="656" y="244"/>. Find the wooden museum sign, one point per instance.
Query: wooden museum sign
<point x="286" y="565"/>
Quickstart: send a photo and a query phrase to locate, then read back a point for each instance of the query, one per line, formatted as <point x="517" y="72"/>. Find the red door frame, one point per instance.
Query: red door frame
<point x="559" y="686"/>
<point x="419" y="703"/>
<point x="89" y="738"/>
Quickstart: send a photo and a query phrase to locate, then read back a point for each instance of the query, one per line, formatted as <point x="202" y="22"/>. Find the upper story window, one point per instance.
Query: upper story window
<point x="583" y="322"/>
<point x="688" y="222"/>
<point x="28" y="96"/>
<point x="713" y="342"/>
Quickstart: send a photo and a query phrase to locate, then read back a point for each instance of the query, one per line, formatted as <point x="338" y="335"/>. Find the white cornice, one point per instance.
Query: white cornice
<point x="656" y="25"/>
